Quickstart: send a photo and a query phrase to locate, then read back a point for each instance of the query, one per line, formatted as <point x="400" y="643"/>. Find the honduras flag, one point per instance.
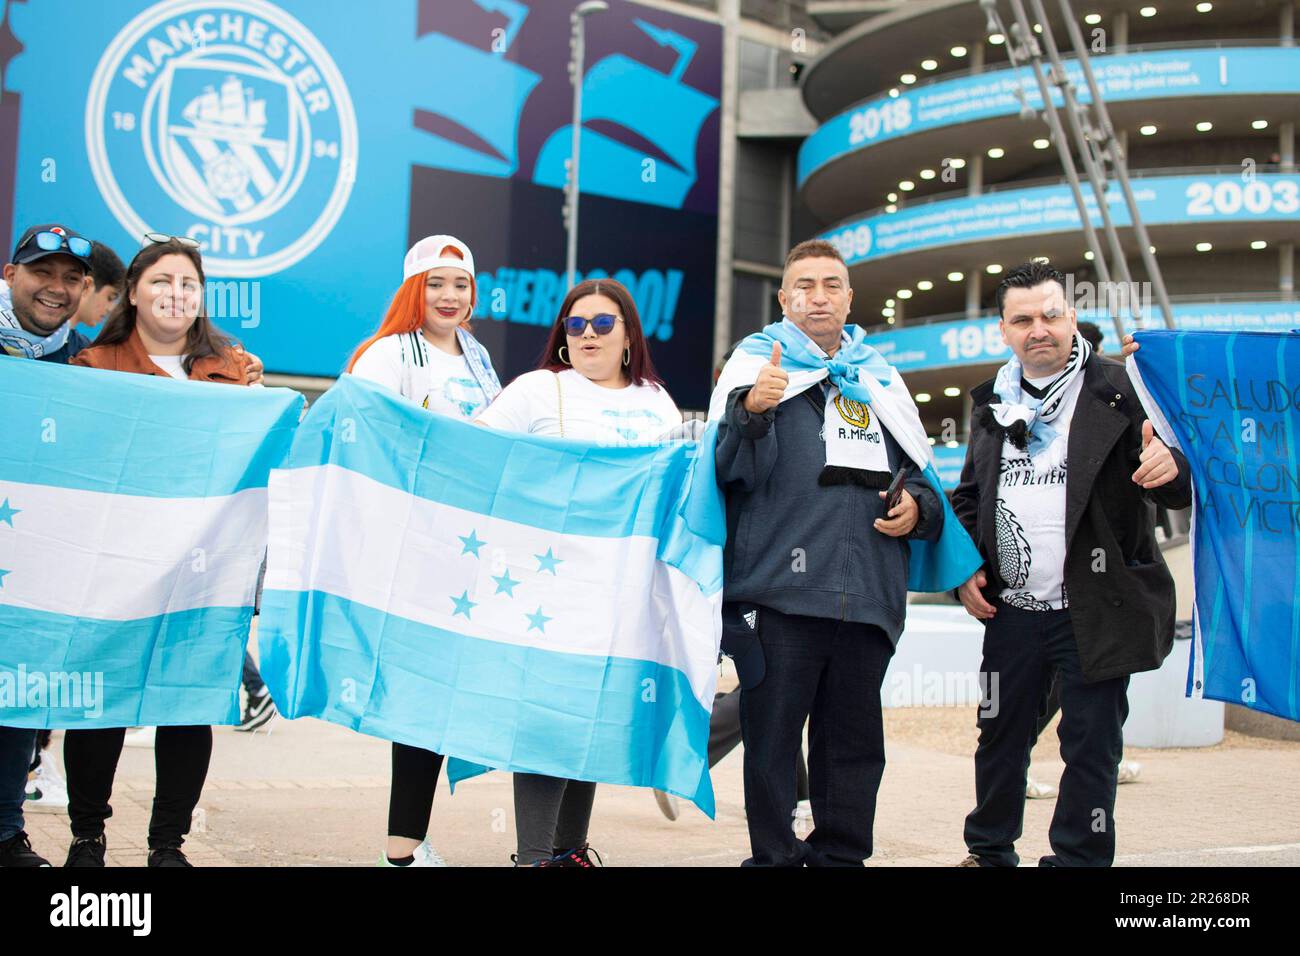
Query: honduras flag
<point x="525" y="603"/>
<point x="1231" y="402"/>
<point x="132" y="527"/>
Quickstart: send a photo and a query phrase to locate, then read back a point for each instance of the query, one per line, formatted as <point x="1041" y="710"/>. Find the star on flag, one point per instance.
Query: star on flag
<point x="472" y="543"/>
<point x="463" y="604"/>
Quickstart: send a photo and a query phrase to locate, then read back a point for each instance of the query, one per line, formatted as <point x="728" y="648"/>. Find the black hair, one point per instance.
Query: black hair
<point x="1092" y="332"/>
<point x="1027" y="275"/>
<point x="105" y="267"/>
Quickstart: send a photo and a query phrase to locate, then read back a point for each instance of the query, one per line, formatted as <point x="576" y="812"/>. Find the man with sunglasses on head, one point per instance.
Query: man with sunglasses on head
<point x="46" y="277"/>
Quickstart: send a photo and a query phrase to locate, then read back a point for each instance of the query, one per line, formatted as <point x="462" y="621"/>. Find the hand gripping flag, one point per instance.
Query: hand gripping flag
<point x="524" y="603"/>
<point x="863" y="375"/>
<point x="132" y="527"/>
<point x="1231" y="402"/>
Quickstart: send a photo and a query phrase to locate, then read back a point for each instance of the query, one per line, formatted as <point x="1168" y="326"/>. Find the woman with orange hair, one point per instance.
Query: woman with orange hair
<point x="424" y="351"/>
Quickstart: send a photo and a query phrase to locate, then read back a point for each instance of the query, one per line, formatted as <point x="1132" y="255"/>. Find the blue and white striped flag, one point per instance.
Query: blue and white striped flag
<point x="132" y="527"/>
<point x="524" y="603"/>
<point x="1231" y="402"/>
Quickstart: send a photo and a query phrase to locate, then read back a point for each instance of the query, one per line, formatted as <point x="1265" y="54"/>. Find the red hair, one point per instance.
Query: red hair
<point x="406" y="311"/>
<point x="639" y="367"/>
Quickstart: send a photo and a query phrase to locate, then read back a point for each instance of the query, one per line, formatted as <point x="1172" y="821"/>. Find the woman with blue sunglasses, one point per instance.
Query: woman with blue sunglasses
<point x="595" y="382"/>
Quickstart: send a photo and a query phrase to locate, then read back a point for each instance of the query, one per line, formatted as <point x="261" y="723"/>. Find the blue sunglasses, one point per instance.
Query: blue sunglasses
<point x="601" y="324"/>
<point x="53" y="242"/>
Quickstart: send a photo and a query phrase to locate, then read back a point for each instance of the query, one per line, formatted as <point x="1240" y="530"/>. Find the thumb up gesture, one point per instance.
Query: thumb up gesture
<point x="770" y="386"/>
<point x="1156" y="463"/>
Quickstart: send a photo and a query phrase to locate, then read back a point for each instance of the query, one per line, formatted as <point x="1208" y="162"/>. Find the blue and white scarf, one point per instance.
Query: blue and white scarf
<point x="1016" y="414"/>
<point x="414" y="355"/>
<point x="15" y="340"/>
<point x="862" y="376"/>
<point x="480" y="364"/>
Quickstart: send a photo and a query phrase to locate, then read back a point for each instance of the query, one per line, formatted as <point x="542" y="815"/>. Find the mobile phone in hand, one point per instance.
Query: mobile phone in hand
<point x="895" y="492"/>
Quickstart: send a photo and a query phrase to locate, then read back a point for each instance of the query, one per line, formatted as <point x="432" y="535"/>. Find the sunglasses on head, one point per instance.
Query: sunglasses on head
<point x="602" y="324"/>
<point x="53" y="241"/>
<point x="153" y="238"/>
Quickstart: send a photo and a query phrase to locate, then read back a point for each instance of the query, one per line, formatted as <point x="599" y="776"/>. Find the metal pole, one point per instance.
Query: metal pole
<point x="577" y="45"/>
<point x="1110" y="148"/>
<point x="1058" y="136"/>
<point x="724" y="318"/>
<point x="1092" y="163"/>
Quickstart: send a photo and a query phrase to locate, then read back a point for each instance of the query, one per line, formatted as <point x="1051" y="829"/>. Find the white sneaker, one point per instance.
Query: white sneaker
<point x="424" y="854"/>
<point x="140" y="738"/>
<point x="1129" y="770"/>
<point x="46" y="791"/>
<point x="1038" y="791"/>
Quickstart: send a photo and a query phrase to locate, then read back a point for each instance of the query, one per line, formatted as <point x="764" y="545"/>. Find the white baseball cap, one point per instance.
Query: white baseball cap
<point x="427" y="254"/>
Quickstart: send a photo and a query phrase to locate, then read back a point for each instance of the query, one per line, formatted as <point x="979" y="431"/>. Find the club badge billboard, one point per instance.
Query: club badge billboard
<point x="307" y="143"/>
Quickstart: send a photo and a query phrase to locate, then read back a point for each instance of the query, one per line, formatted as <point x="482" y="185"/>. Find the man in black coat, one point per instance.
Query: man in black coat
<point x="1061" y="468"/>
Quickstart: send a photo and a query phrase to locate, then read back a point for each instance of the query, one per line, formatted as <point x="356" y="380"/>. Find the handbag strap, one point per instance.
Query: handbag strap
<point x="559" y="401"/>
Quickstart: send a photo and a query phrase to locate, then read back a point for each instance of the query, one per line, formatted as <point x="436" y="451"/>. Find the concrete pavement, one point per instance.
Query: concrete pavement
<point x="308" y="793"/>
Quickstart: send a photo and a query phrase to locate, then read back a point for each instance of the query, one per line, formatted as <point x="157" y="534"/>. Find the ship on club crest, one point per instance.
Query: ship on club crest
<point x="221" y="153"/>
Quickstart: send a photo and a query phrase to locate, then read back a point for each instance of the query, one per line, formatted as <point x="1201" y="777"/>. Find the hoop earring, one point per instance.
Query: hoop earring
<point x="562" y="356"/>
<point x="627" y="356"/>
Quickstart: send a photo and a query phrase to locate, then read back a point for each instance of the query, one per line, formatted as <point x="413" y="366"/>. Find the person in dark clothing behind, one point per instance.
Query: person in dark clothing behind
<point x="1092" y="332"/>
<point x="816" y="566"/>
<point x="104" y="286"/>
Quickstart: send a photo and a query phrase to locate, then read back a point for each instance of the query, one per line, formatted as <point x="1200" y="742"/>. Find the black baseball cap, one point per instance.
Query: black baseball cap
<point x="36" y="243"/>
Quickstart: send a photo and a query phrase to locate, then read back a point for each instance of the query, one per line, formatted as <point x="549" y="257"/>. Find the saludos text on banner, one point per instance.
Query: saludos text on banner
<point x="519" y="602"/>
<point x="132" y="527"/>
<point x="1231" y="402"/>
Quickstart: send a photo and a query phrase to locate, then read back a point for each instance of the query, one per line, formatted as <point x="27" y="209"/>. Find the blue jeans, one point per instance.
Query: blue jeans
<point x="17" y="744"/>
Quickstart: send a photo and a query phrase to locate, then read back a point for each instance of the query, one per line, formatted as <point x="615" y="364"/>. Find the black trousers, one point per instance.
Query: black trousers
<point x="252" y="680"/>
<point x="829" y="674"/>
<point x="1022" y="649"/>
<point x="725" y="736"/>
<point x="410" y="799"/>
<point x="181" y="757"/>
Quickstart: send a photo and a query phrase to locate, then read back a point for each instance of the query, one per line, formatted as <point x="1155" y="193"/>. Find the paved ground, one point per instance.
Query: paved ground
<point x="311" y="794"/>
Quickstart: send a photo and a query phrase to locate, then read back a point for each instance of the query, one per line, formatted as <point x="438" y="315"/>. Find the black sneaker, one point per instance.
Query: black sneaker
<point x="257" y="712"/>
<point x="86" y="851"/>
<point x="17" y="852"/>
<point x="168" y="856"/>
<point x="578" y="856"/>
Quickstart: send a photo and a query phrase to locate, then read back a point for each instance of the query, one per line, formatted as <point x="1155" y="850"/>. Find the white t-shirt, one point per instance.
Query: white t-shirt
<point x="1030" y="512"/>
<point x="613" y="416"/>
<point x="172" y="365"/>
<point x="429" y="377"/>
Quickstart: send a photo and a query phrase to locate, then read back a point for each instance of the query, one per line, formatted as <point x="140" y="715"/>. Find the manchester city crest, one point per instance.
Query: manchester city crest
<point x="227" y="122"/>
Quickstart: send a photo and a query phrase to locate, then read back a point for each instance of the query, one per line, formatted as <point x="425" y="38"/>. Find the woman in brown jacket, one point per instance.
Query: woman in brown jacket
<point x="159" y="327"/>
